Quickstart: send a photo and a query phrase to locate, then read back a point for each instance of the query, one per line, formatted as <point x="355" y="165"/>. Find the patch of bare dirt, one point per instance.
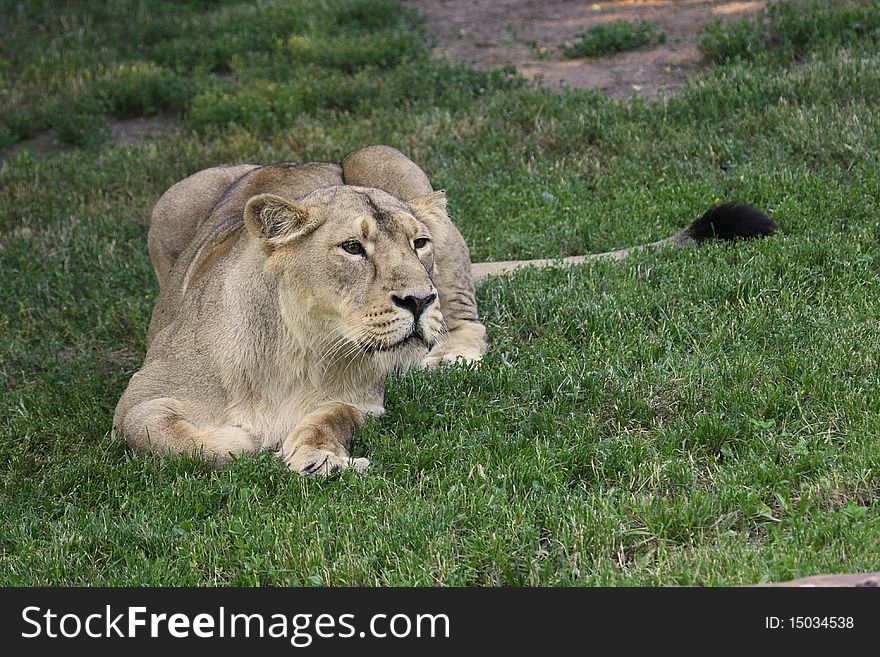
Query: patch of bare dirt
<point x="45" y="143"/>
<point x="123" y="132"/>
<point x="488" y="34"/>
<point x="134" y="131"/>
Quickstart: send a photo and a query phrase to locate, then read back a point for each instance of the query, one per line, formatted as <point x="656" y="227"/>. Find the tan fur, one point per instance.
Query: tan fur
<point x="268" y="334"/>
<point x="193" y="197"/>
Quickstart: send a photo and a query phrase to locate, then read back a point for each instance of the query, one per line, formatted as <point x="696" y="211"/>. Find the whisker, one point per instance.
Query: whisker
<point x="354" y="344"/>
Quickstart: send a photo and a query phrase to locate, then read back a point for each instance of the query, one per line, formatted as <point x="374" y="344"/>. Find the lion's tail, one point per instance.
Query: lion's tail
<point x="725" y="222"/>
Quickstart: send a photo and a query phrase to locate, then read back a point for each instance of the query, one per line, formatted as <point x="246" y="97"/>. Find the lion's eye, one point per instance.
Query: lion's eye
<point x="420" y="243"/>
<point x="354" y="248"/>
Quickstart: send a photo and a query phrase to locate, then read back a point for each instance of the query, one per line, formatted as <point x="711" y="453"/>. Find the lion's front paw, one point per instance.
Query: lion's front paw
<point x="311" y="461"/>
<point x="465" y="344"/>
<point x="444" y="357"/>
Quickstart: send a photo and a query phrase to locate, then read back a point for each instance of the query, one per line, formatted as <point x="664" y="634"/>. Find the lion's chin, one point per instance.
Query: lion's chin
<point x="403" y="355"/>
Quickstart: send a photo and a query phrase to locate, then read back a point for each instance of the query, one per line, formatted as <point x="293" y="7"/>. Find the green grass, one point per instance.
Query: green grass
<point x="610" y="38"/>
<point x="787" y="31"/>
<point x="699" y="417"/>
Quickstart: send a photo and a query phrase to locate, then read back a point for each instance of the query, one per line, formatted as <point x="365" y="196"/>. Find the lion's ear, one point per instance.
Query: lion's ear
<point x="277" y="220"/>
<point x="430" y="208"/>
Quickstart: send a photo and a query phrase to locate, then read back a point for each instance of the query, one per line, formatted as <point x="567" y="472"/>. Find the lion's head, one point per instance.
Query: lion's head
<point x="354" y="269"/>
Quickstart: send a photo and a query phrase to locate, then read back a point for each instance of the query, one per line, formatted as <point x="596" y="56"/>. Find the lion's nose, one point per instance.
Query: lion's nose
<point x="415" y="303"/>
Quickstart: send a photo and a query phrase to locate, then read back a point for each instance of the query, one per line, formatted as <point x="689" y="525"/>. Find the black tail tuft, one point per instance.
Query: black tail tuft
<point x="731" y="222"/>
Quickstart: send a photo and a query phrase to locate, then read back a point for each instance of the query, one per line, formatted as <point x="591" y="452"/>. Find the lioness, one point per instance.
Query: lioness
<point x="289" y="293"/>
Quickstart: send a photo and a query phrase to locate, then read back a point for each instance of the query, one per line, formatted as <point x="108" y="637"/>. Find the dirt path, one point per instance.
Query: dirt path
<point x="487" y="34"/>
<point x="123" y="132"/>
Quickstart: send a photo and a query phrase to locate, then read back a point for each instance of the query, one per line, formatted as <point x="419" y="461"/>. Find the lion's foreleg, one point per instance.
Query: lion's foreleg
<point x="319" y="444"/>
<point x="164" y="426"/>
